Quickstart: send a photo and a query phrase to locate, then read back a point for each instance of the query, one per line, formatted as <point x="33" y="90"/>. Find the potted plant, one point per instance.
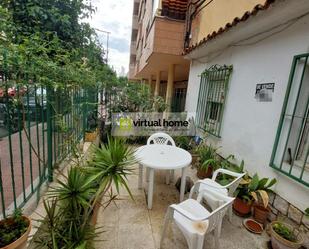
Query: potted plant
<point x="250" y="190"/>
<point x="208" y="161"/>
<point x="284" y="236"/>
<point x="259" y="191"/>
<point x="90" y="135"/>
<point x="72" y="206"/>
<point x="14" y="231"/>
<point x="110" y="164"/>
<point x="91" y="132"/>
<point x="225" y="179"/>
<point x="242" y="204"/>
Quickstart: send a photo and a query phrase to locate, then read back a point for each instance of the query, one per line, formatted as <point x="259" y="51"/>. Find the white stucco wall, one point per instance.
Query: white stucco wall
<point x="249" y="127"/>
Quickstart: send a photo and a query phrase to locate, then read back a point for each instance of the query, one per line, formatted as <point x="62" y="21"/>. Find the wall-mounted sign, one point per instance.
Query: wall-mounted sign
<point x="264" y="92"/>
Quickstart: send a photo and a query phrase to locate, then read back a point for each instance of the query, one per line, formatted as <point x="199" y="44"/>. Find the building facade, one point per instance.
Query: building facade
<point x="249" y="89"/>
<point x="244" y="65"/>
<point x="156" y="49"/>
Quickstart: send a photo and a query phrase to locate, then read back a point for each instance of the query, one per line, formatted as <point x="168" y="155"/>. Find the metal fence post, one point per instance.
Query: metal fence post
<point x="49" y="121"/>
<point x="84" y="109"/>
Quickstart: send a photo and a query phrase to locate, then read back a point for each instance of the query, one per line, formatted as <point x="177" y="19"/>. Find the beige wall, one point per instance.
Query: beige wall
<point x="160" y="42"/>
<point x="164" y="37"/>
<point x="217" y="14"/>
<point x="169" y="36"/>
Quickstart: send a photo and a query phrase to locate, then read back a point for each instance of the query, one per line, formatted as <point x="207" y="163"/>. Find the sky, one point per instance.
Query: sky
<point x="114" y="16"/>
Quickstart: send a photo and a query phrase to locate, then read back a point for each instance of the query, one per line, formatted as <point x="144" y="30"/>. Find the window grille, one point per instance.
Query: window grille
<point x="179" y="99"/>
<point x="211" y="99"/>
<point x="291" y="147"/>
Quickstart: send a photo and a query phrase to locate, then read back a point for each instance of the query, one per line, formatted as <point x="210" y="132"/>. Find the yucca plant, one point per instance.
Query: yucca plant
<point x="57" y="230"/>
<point x="68" y="211"/>
<point x="72" y="202"/>
<point x="111" y="164"/>
<point x="76" y="191"/>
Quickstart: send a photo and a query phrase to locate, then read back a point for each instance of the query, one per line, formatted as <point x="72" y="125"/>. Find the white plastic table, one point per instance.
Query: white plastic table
<point x="163" y="157"/>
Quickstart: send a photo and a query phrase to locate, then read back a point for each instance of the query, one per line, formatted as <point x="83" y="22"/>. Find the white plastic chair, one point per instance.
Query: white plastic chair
<point x="161" y="138"/>
<point x="195" y="221"/>
<point x="228" y="189"/>
<point x="164" y="139"/>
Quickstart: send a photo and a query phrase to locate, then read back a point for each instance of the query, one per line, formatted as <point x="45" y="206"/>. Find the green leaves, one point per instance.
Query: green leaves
<point x="111" y="164"/>
<point x="254" y="183"/>
<point x="184" y="142"/>
<point x="271" y="183"/>
<point x="60" y="230"/>
<point x="307" y="212"/>
<point x="259" y="188"/>
<point x="208" y="157"/>
<point x="77" y="191"/>
<point x="284" y="231"/>
<point x="12" y="228"/>
<point x="46" y="42"/>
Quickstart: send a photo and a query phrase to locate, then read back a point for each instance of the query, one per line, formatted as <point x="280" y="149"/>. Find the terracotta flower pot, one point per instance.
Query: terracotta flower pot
<point x="90" y="136"/>
<point x="242" y="207"/>
<point x="21" y="242"/>
<point x="277" y="242"/>
<point x="260" y="213"/>
<point x="202" y="174"/>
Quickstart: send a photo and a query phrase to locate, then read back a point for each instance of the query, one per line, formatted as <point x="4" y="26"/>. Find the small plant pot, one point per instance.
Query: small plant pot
<point x="260" y="213"/>
<point x="278" y="242"/>
<point x="21" y="242"/>
<point x="242" y="207"/>
<point x="202" y="174"/>
<point x="90" y="136"/>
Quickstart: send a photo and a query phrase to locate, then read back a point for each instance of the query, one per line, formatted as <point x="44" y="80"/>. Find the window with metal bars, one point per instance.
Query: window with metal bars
<point x="211" y="99"/>
<point x="291" y="147"/>
<point x="179" y="99"/>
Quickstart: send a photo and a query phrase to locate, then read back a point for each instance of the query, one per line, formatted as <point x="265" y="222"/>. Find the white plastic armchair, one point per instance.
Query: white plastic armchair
<point x="195" y="221"/>
<point x="164" y="139"/>
<point x="227" y="189"/>
<point x="161" y="138"/>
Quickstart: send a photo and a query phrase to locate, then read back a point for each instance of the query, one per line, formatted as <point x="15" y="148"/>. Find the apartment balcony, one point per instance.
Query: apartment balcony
<point x="135" y="22"/>
<point x="133" y="48"/>
<point x="131" y="71"/>
<point x="163" y="45"/>
<point x="175" y="9"/>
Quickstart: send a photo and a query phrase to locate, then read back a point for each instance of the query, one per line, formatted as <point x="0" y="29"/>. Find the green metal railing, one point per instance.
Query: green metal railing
<point x="291" y="147"/>
<point x="39" y="127"/>
<point x="211" y="99"/>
